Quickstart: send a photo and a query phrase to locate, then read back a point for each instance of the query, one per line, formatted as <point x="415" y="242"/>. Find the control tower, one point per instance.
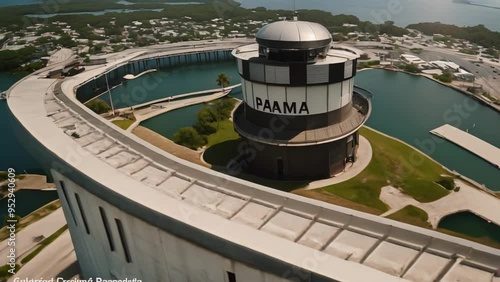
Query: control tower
<point x="301" y="112"/>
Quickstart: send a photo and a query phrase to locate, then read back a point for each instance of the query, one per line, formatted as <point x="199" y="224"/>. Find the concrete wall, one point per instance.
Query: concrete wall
<point x="155" y="254"/>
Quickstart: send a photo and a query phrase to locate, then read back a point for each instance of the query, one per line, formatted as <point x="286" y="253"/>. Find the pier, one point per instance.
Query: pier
<point x="469" y="142"/>
<point x="132" y="77"/>
<point x="155" y="108"/>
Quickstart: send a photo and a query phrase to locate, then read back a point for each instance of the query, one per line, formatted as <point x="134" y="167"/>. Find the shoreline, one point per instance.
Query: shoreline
<point x="471" y="95"/>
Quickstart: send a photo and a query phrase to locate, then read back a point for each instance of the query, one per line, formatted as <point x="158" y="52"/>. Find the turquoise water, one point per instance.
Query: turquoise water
<point x="171" y="82"/>
<point x="472" y="225"/>
<point x="408" y="107"/>
<point x="27" y="201"/>
<point x="12" y="153"/>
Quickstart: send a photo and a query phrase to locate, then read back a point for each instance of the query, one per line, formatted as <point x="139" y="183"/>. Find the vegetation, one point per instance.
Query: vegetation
<point x="44" y="244"/>
<point x="390" y="165"/>
<point x="222" y="80"/>
<point x="369" y="64"/>
<point x="225" y="133"/>
<point x="411" y="215"/>
<point x="211" y="125"/>
<point x="445" y="77"/>
<point x="123" y="124"/>
<point x="416" y="50"/>
<point x="476" y="34"/>
<point x="189" y="137"/>
<point x="412" y="68"/>
<point x="4" y="272"/>
<point x="14" y="60"/>
<point x="98" y="106"/>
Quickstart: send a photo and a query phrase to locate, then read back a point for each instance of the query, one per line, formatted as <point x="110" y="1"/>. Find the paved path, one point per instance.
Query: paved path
<point x="25" y="238"/>
<point x="365" y="154"/>
<point x="467" y="199"/>
<point x="469" y="142"/>
<point x="161" y="108"/>
<point x="57" y="260"/>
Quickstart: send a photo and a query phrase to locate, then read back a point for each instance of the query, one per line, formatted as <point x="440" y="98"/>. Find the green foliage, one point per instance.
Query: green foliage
<point x="222" y="80"/>
<point x="412" y="68"/>
<point x="447" y="182"/>
<point x="4" y="271"/>
<point x="476" y="34"/>
<point x="66" y="41"/>
<point x="362" y="65"/>
<point x="189" y="137"/>
<point x="390" y="29"/>
<point x="123" y="124"/>
<point x="416" y="50"/>
<point x="493" y="52"/>
<point x="390" y="166"/>
<point x="411" y="215"/>
<point x="98" y="106"/>
<point x="445" y="77"/>
<point x="10" y="60"/>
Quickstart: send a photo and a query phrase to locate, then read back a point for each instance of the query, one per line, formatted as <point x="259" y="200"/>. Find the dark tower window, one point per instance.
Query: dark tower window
<point x="82" y="213"/>
<point x="231" y="277"/>
<point x="70" y="206"/>
<point x="281" y="168"/>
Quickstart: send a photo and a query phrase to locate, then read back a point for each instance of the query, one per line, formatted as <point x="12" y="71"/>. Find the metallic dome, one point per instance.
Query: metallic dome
<point x="294" y="35"/>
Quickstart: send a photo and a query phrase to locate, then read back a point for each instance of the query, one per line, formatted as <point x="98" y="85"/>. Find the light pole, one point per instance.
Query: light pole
<point x="109" y="92"/>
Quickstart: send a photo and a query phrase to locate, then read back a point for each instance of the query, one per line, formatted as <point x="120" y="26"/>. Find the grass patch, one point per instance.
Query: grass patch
<point x="4" y="271"/>
<point x="123" y="124"/>
<point x="412" y="215"/>
<point x="44" y="244"/>
<point x="390" y="166"/>
<point x="225" y="133"/>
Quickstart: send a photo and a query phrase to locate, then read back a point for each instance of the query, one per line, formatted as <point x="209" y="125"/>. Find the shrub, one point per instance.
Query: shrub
<point x="189" y="137"/>
<point x="98" y="106"/>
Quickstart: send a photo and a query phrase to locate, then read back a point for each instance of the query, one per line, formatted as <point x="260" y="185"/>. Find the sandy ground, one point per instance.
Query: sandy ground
<point x="168" y="145"/>
<point x="467" y="199"/>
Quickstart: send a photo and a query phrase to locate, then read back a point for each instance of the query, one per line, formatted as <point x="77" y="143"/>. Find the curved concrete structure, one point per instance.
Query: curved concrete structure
<point x="135" y="211"/>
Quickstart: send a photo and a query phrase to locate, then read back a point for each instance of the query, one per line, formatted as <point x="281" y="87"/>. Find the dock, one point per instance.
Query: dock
<point x="482" y="149"/>
<point x="132" y="77"/>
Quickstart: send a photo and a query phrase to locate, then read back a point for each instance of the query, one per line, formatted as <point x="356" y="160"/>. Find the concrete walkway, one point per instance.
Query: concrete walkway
<point x="57" y="260"/>
<point x="467" y="199"/>
<point x="365" y="154"/>
<point x="25" y="239"/>
<point x="161" y="108"/>
<point x="469" y="142"/>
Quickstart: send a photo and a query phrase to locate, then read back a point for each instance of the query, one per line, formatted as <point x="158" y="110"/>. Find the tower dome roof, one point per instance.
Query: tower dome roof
<point x="294" y="35"/>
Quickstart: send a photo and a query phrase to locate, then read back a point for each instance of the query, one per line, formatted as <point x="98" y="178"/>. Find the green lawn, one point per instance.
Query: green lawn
<point x="411" y="215"/>
<point x="123" y="124"/>
<point x="225" y="133"/>
<point x="390" y="165"/>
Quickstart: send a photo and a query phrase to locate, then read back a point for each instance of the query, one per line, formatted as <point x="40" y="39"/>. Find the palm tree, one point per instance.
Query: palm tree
<point x="222" y="80"/>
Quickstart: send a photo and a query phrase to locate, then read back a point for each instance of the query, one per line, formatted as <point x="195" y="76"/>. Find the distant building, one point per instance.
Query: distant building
<point x="411" y="59"/>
